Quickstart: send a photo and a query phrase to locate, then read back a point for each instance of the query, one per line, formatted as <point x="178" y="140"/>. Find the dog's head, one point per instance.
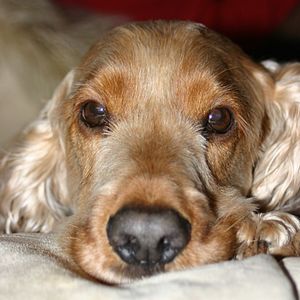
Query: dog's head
<point x="159" y="131"/>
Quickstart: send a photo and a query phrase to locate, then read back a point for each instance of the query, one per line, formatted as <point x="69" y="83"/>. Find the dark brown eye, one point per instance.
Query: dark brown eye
<point x="220" y="120"/>
<point x="93" y="114"/>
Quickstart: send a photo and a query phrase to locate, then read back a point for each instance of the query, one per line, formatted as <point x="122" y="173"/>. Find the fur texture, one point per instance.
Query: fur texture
<point x="159" y="82"/>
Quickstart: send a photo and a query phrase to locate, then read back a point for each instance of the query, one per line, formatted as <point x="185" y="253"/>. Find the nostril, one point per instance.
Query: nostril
<point x="164" y="243"/>
<point x="126" y="247"/>
<point x="169" y="247"/>
<point x="166" y="250"/>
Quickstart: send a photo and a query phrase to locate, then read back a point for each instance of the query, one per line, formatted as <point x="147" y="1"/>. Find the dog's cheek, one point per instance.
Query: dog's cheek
<point x="215" y="245"/>
<point x="81" y="158"/>
<point x="231" y="164"/>
<point x="85" y="241"/>
<point x="218" y="240"/>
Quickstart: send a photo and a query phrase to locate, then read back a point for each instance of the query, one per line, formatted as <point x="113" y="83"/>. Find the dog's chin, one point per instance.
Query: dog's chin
<point x="117" y="273"/>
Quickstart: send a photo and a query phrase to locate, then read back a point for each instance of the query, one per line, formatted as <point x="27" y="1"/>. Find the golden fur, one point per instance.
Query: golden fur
<point x="159" y="81"/>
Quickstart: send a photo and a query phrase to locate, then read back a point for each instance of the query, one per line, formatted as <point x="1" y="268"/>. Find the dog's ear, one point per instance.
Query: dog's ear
<point x="33" y="173"/>
<point x="277" y="172"/>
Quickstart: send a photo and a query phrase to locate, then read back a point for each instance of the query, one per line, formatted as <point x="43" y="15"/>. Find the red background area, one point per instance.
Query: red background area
<point x="231" y="17"/>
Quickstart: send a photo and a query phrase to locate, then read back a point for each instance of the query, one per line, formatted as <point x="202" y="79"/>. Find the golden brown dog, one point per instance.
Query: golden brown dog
<point x="171" y="149"/>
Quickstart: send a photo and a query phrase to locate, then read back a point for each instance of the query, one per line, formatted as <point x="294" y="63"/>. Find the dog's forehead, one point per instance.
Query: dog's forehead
<point x="158" y="43"/>
<point x="159" y="62"/>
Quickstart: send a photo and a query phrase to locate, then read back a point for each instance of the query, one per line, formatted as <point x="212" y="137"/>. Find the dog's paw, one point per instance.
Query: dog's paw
<point x="275" y="233"/>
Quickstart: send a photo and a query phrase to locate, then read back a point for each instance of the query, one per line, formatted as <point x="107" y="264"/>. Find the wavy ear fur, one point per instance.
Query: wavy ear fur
<point x="277" y="173"/>
<point x="33" y="190"/>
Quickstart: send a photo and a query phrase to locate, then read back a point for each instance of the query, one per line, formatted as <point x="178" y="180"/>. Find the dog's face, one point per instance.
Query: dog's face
<point x="161" y="132"/>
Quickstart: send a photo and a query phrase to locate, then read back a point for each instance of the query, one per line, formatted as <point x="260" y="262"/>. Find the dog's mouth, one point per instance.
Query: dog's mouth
<point x="137" y="272"/>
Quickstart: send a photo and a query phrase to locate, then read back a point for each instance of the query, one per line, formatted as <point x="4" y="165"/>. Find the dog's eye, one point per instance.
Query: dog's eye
<point x="219" y="120"/>
<point x="93" y="114"/>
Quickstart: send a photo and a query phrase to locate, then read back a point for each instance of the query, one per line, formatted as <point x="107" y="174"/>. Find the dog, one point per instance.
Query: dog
<point x="166" y="148"/>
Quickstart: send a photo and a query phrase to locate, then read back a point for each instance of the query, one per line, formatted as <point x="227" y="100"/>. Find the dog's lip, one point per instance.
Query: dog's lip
<point x="140" y="271"/>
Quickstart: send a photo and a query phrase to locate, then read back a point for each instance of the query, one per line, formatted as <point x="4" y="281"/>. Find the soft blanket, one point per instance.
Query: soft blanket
<point x="32" y="266"/>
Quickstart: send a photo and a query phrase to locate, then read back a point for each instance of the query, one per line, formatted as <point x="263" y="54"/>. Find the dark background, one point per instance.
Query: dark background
<point x="264" y="29"/>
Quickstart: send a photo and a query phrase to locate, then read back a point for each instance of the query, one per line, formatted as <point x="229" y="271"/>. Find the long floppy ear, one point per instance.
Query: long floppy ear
<point x="33" y="190"/>
<point x="277" y="173"/>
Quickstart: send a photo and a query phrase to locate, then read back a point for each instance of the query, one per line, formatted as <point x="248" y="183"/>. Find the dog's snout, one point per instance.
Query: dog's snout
<point x="148" y="237"/>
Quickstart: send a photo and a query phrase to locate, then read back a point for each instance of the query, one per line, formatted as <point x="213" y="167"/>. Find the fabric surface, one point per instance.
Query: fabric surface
<point x="32" y="266"/>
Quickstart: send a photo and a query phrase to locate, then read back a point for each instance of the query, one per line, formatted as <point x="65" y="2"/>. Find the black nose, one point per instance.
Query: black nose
<point x="148" y="237"/>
